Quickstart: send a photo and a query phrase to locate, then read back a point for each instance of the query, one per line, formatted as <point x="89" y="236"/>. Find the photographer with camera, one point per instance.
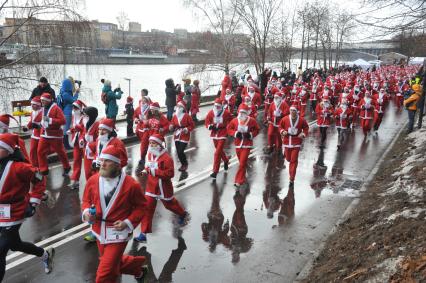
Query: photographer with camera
<point x="410" y="103"/>
<point x="67" y="96"/>
<point x="109" y="98"/>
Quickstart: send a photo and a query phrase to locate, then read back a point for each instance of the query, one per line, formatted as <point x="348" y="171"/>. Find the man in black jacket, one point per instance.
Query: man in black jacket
<point x="171" y="94"/>
<point x="43" y="86"/>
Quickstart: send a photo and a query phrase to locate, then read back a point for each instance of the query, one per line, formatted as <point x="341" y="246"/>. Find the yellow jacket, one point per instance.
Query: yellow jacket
<point x="412" y="100"/>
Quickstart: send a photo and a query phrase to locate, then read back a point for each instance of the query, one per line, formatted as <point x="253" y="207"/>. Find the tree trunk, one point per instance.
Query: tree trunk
<point x="303" y="45"/>
<point x="307" y="50"/>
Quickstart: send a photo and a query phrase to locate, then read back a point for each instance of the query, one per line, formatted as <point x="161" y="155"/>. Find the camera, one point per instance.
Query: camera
<point x="78" y="82"/>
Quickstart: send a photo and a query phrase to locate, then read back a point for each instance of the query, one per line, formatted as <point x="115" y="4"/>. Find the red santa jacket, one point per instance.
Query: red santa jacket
<point x="55" y="120"/>
<point x="91" y="134"/>
<point x="97" y="147"/>
<point x="77" y="131"/>
<point x="324" y="115"/>
<point x="275" y="115"/>
<point x="14" y="192"/>
<point x="292" y="139"/>
<point x="380" y="103"/>
<point x="160" y="171"/>
<point x="367" y="108"/>
<point x="256" y="99"/>
<point x="229" y="102"/>
<point x="226" y="83"/>
<point x="35" y="118"/>
<point x="220" y="122"/>
<point x="315" y="93"/>
<point x="127" y="204"/>
<point x="185" y="122"/>
<point x="342" y="117"/>
<point x="195" y="100"/>
<point x="141" y="118"/>
<point x="249" y="126"/>
<point x="158" y="126"/>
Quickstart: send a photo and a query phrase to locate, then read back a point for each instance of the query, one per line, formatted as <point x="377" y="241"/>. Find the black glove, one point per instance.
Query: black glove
<point x="24" y="129"/>
<point x="95" y="166"/>
<point x="239" y="135"/>
<point x="36" y="126"/>
<point x="247" y="136"/>
<point x="30" y="210"/>
<point x="212" y="128"/>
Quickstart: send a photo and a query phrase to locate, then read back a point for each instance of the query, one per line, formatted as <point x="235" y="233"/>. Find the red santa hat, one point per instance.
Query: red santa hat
<point x="251" y="88"/>
<point x="115" y="154"/>
<point x="5" y="121"/>
<point x="36" y="101"/>
<point x="9" y="142"/>
<point x="243" y="108"/>
<point x="79" y="104"/>
<point x="182" y="104"/>
<point x="107" y="124"/>
<point x="218" y="102"/>
<point x="278" y="94"/>
<point x="158" y="139"/>
<point x="46" y="97"/>
<point x="155" y="106"/>
<point x="294" y="107"/>
<point x="129" y="99"/>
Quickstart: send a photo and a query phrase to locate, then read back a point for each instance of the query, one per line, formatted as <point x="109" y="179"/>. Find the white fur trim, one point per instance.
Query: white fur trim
<point x="157" y="140"/>
<point x="6" y="146"/>
<point x="110" y="157"/>
<point x="103" y="126"/>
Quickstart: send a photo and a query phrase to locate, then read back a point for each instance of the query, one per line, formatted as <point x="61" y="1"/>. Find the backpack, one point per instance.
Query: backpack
<point x="104" y="98"/>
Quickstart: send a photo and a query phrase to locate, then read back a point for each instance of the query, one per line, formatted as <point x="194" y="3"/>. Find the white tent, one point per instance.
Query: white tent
<point x="361" y="63"/>
<point x="417" y="60"/>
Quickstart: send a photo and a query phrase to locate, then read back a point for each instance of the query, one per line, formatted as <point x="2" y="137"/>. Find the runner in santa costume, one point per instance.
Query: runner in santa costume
<point x="366" y="106"/>
<point x="270" y="91"/>
<point x="142" y="127"/>
<point x="356" y="96"/>
<point x="278" y="109"/>
<point x="4" y="128"/>
<point x="303" y="100"/>
<point x="229" y="101"/>
<point x="157" y="122"/>
<point x="381" y="101"/>
<point x="51" y="137"/>
<point x="91" y="130"/>
<point x="293" y="129"/>
<point x="342" y="116"/>
<point x="324" y="112"/>
<point x="252" y="109"/>
<point x="113" y="203"/>
<point x="255" y="97"/>
<point x="182" y="125"/>
<point x="314" y="96"/>
<point x="35" y="125"/>
<point x="76" y="131"/>
<point x="244" y="129"/>
<point x="216" y="122"/>
<point x="17" y="202"/>
<point x="160" y="171"/>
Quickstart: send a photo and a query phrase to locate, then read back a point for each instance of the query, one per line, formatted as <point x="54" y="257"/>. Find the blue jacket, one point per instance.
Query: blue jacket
<point x="67" y="96"/>
<point x="111" y="107"/>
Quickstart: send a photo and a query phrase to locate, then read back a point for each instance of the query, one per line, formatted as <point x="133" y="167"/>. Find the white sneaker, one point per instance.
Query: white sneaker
<point x="74" y="185"/>
<point x="48" y="260"/>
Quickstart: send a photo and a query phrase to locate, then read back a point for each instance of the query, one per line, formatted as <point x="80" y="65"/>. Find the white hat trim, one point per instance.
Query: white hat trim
<point x="6" y="146"/>
<point x="110" y="157"/>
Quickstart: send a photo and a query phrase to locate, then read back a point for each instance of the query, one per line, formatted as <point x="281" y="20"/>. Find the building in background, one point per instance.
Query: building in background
<point x="135" y="27"/>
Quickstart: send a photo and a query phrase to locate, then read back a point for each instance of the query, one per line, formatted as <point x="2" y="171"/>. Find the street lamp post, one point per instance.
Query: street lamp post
<point x="129" y="80"/>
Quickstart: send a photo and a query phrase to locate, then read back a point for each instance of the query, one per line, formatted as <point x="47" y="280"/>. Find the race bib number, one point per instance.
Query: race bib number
<point x="242" y="129"/>
<point x="152" y="165"/>
<point x="4" y="211"/>
<point x="218" y="120"/>
<point x="115" y="236"/>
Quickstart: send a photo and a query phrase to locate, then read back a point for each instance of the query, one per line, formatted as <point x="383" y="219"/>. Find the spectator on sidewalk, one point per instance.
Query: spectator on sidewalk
<point x="43" y="87"/>
<point x="171" y="94"/>
<point x="65" y="100"/>
<point x="129" y="116"/>
<point x="110" y="100"/>
<point x="410" y="104"/>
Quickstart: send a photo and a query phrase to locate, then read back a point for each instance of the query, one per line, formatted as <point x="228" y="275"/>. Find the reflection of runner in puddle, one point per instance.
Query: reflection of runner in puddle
<point x="239" y="241"/>
<point x="336" y="178"/>
<point x="287" y="208"/>
<point x="319" y="181"/>
<point x="272" y="185"/>
<point x="215" y="232"/>
<point x="169" y="267"/>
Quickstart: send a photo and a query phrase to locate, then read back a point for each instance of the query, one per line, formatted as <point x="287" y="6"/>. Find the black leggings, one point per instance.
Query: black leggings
<point x="180" y="148"/>
<point x="11" y="240"/>
<point x="323" y="132"/>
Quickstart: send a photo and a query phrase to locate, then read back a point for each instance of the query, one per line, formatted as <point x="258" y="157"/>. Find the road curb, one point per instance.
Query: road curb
<point x="306" y="270"/>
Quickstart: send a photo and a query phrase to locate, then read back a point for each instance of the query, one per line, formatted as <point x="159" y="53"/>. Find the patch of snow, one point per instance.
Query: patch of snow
<point x="407" y="213"/>
<point x="388" y="267"/>
<point x="418" y="136"/>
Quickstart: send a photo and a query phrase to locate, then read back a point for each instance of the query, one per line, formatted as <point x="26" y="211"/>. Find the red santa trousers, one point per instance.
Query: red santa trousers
<point x="78" y="160"/>
<point x="47" y="146"/>
<point x="219" y="154"/>
<point x="242" y="154"/>
<point x="365" y="125"/>
<point x="265" y="112"/>
<point x="144" y="138"/>
<point x="112" y="263"/>
<point x="292" y="156"/>
<point x="33" y="152"/>
<point x="173" y="205"/>
<point x="274" y="137"/>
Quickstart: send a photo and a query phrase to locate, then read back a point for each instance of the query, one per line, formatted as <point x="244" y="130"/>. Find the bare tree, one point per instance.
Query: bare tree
<point x="257" y="17"/>
<point x="344" y="24"/>
<point x="122" y="20"/>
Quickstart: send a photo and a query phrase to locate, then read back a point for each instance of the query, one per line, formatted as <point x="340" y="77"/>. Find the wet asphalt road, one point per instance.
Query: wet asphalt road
<point x="265" y="233"/>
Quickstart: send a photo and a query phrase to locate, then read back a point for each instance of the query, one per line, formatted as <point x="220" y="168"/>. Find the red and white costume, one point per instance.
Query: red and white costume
<point x="78" y="144"/>
<point x="292" y="141"/>
<point x="243" y="131"/>
<point x="343" y="117"/>
<point x="157" y="125"/>
<point x="89" y="138"/>
<point x="115" y="199"/>
<point x="142" y="127"/>
<point x="324" y="114"/>
<point x="35" y="125"/>
<point x="51" y="137"/>
<point x="366" y="106"/>
<point x="381" y="101"/>
<point x="183" y="125"/>
<point x="275" y="114"/>
<point x="229" y="101"/>
<point x="160" y="171"/>
<point x="217" y="122"/>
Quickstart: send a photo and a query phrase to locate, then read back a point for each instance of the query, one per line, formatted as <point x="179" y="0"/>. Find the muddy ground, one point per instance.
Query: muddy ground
<point x="384" y="239"/>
